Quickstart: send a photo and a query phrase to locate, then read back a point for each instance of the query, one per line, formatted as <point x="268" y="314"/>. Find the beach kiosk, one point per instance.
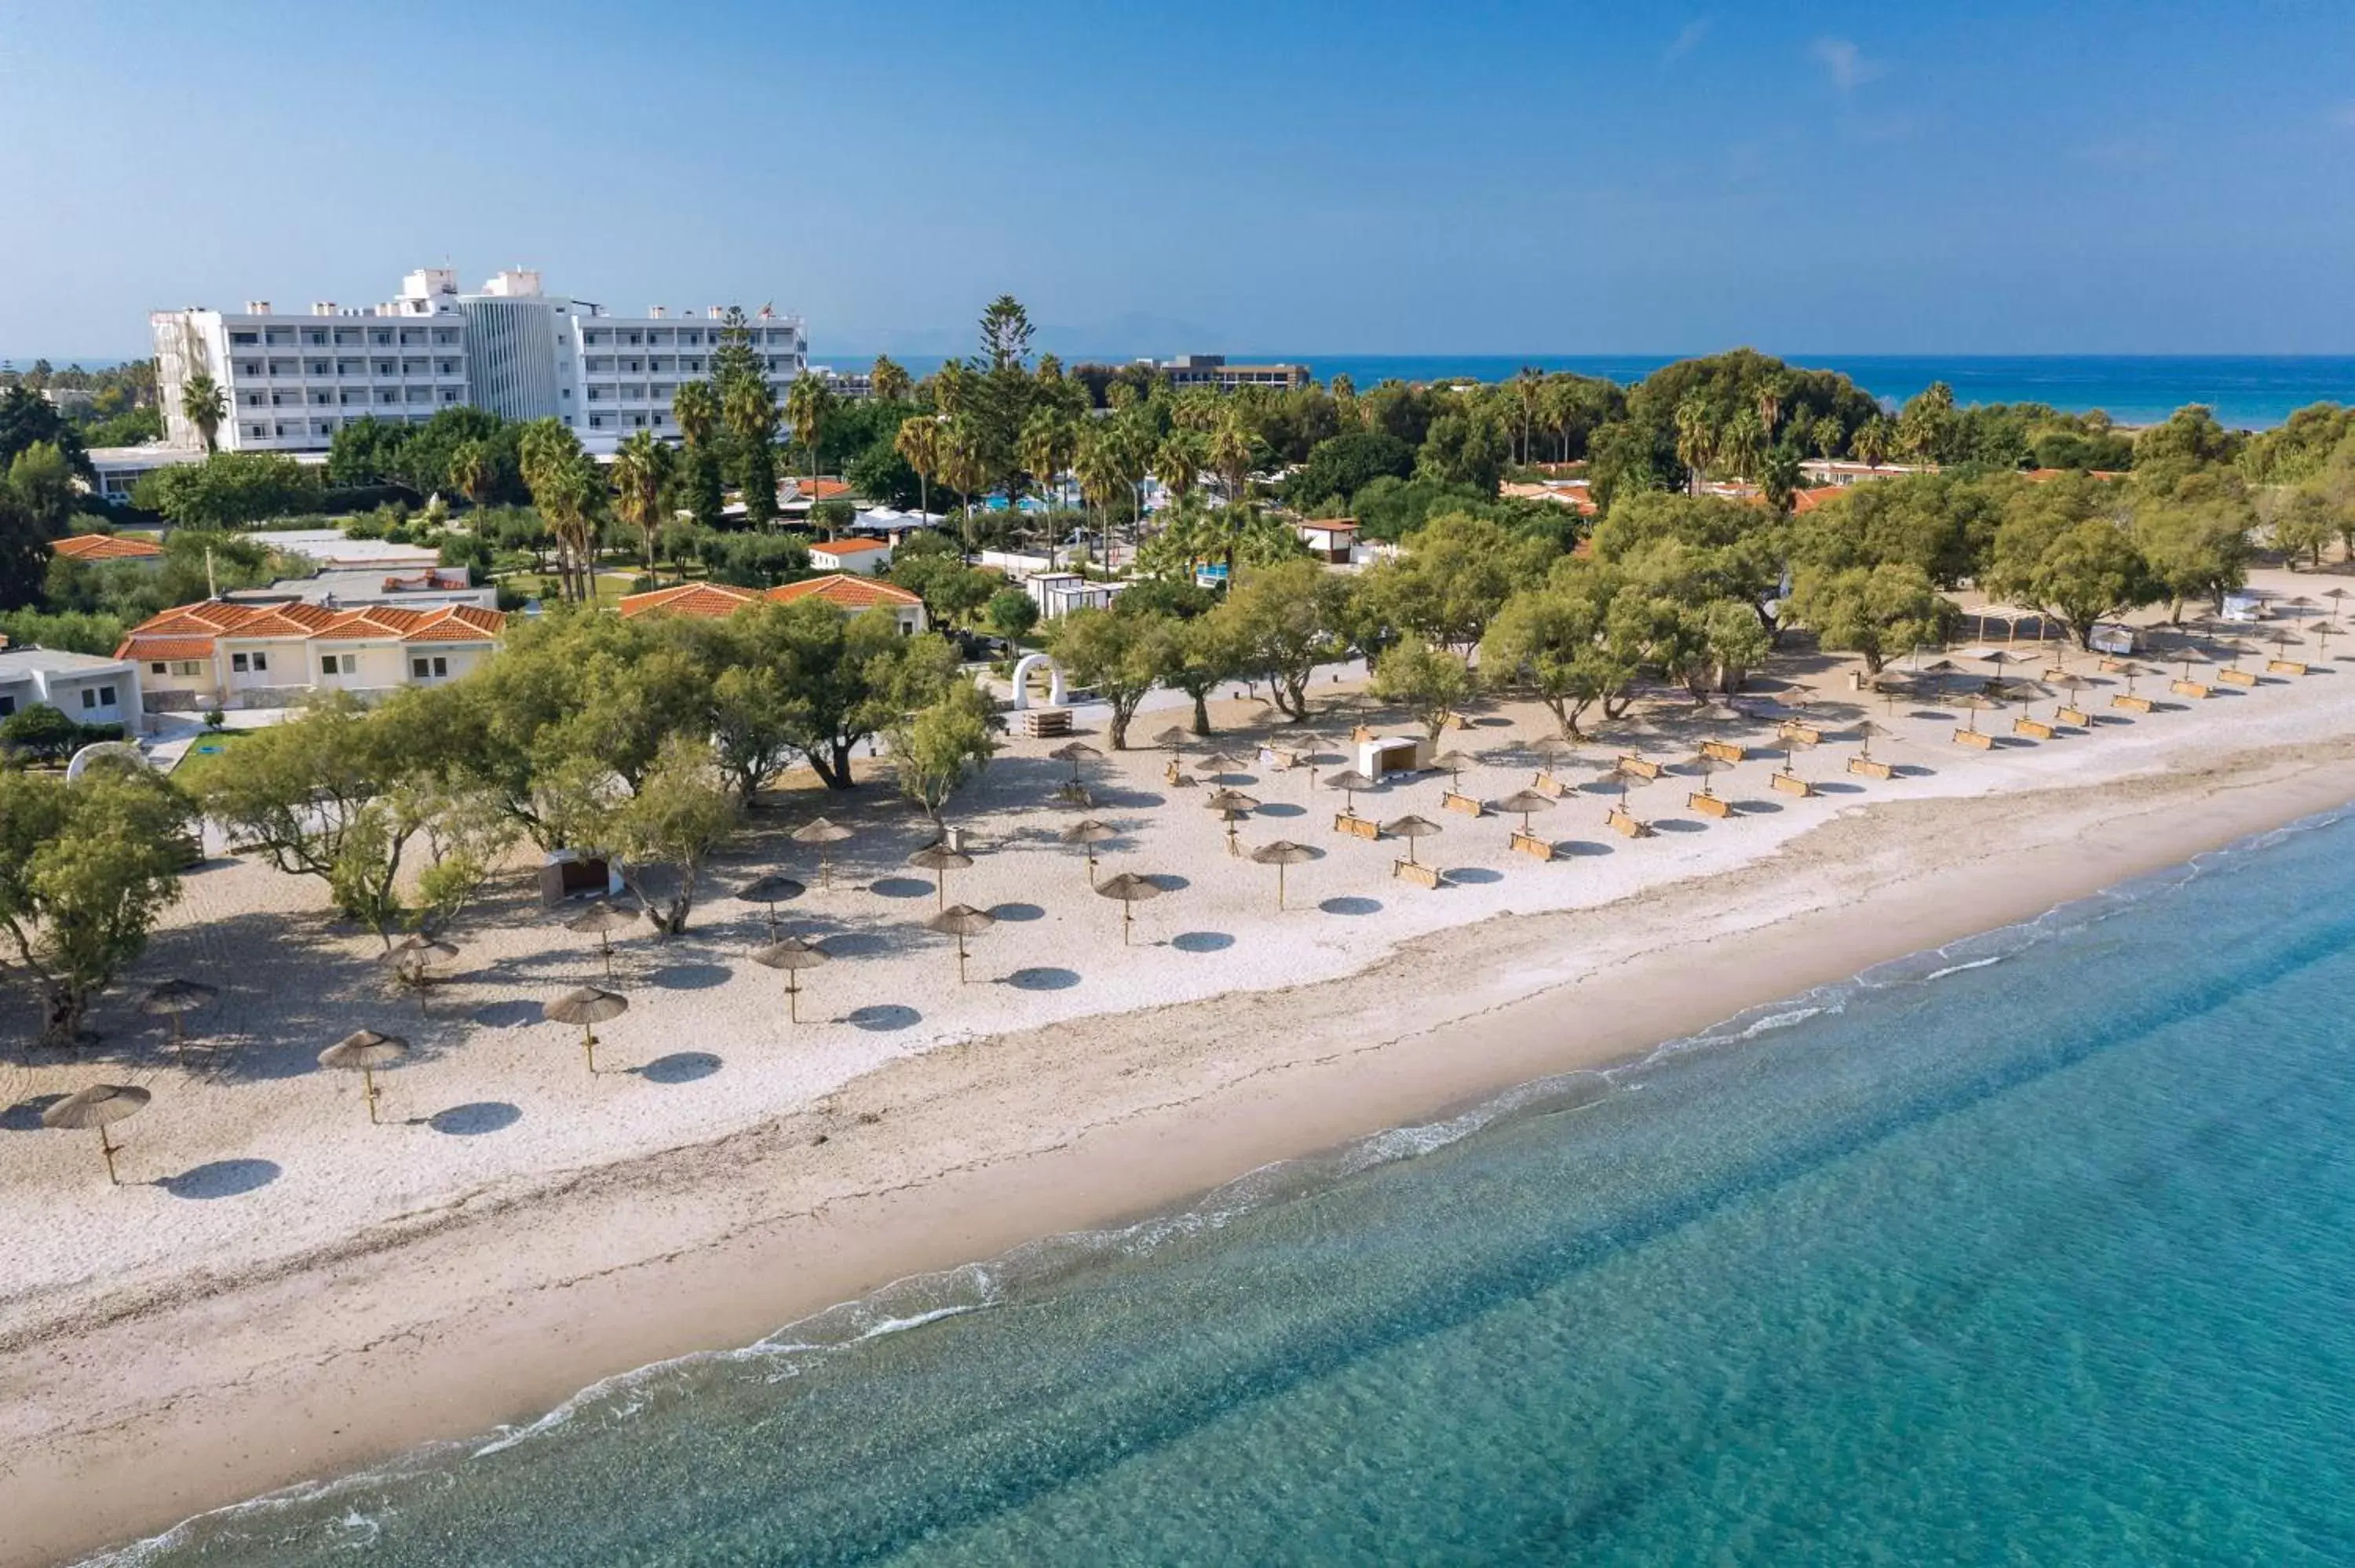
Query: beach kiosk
<point x="1385" y="753"/>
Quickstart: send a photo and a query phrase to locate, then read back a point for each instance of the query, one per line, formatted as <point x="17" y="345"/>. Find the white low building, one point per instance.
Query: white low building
<point x="228" y="655"/>
<point x="1058" y="593"/>
<point x="864" y="557"/>
<point x="291" y="380"/>
<point x="85" y="688"/>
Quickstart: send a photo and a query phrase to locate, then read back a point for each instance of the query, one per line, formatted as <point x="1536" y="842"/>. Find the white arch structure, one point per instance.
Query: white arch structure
<point x="1056" y="694"/>
<point x="121" y="752"/>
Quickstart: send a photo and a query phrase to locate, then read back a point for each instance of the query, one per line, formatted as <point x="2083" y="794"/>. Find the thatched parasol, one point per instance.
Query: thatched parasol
<point x="363" y="1052"/>
<point x="1131" y="890"/>
<point x="2131" y="672"/>
<point x="1218" y="765"/>
<point x="824" y="834"/>
<point x="1523" y="803"/>
<point x="1350" y="781"/>
<point x="2336" y="596"/>
<point x="1089" y="833"/>
<point x="1410" y="829"/>
<point x="412" y="956"/>
<point x="1866" y="732"/>
<point x="603" y="917"/>
<point x="1626" y="777"/>
<point x="1076" y="752"/>
<point x="1279" y="854"/>
<point x="771" y="890"/>
<point x="1453" y="764"/>
<point x="960" y="920"/>
<point x="587" y="1007"/>
<point x="1976" y="704"/>
<point x="792" y="955"/>
<point x="96" y="1107"/>
<point x="940" y="860"/>
<point x="1553" y="748"/>
<point x="1173" y="738"/>
<point x="2323" y="630"/>
<point x="173" y="999"/>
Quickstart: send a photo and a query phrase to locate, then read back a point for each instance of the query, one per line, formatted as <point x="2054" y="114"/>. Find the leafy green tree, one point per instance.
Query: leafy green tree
<point x="1010" y="613"/>
<point x="66" y="631"/>
<point x="1344" y="464"/>
<point x="25" y="416"/>
<point x="85" y="870"/>
<point x="2302" y="522"/>
<point x="890" y="381"/>
<point x="230" y="489"/>
<point x="1467" y="449"/>
<point x="1113" y="653"/>
<point x="937" y="746"/>
<point x="1556" y="640"/>
<point x="1194" y="655"/>
<point x="1879" y="612"/>
<point x="1456" y="573"/>
<point x="2191" y="437"/>
<point x="666" y="830"/>
<point x="1430" y="682"/>
<point x="1284" y="620"/>
<point x="2196" y="541"/>
<point x="856" y="674"/>
<point x="2081" y="573"/>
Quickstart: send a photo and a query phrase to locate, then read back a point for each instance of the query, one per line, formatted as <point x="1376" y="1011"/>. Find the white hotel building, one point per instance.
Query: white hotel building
<point x="292" y="381"/>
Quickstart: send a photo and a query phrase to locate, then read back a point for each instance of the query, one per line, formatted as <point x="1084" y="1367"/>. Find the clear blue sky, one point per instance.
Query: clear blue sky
<point x="2102" y="177"/>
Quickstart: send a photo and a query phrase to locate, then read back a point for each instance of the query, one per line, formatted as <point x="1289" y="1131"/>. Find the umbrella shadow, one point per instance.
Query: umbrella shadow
<point x="690" y="977"/>
<point x="1018" y="912"/>
<point x="1679" y="825"/>
<point x="508" y="1015"/>
<point x="678" y="1067"/>
<point x="1168" y="881"/>
<point x="857" y="944"/>
<point x="1351" y="905"/>
<point x="1042" y="980"/>
<point x="475" y="1118"/>
<point x="25" y="1116"/>
<point x="221" y="1178"/>
<point x="1281" y="809"/>
<point x="1201" y="941"/>
<point x="900" y="887"/>
<point x="883" y="1017"/>
<point x="1913" y="771"/>
<point x="1472" y="874"/>
<point x="1757" y="808"/>
<point x="1135" y="799"/>
<point x="1583" y="847"/>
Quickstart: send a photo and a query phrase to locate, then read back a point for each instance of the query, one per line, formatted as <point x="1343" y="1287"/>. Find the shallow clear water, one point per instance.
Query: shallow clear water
<point x="2040" y="1250"/>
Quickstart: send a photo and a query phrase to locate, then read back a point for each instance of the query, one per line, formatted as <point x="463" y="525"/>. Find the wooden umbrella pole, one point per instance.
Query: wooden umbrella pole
<point x="605" y="946"/>
<point x="106" y="1148"/>
<point x="793" y="999"/>
<point x="368" y="1092"/>
<point x="960" y="957"/>
<point x="1278" y="887"/>
<point x="589" y="1047"/>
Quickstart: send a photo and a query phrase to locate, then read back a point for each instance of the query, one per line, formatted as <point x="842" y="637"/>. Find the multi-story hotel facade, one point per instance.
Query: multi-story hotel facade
<point x="291" y="381"/>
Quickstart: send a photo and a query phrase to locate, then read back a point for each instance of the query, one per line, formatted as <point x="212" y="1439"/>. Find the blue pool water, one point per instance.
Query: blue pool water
<point x="2038" y="1250"/>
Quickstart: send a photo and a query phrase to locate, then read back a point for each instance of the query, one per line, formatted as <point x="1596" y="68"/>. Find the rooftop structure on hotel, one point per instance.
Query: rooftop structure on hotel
<point x="293" y="380"/>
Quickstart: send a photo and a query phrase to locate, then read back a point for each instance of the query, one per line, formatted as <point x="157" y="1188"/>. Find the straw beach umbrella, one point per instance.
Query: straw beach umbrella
<point x="1523" y="803"/>
<point x="1974" y="704"/>
<point x="1708" y="767"/>
<point x="2068" y="685"/>
<point x="823" y="835"/>
<point x="587" y="1007"/>
<point x="1218" y="765"/>
<point x="412" y="956"/>
<point x="792" y="955"/>
<point x="771" y="890"/>
<point x="363" y="1051"/>
<point x="1453" y="764"/>
<point x="1088" y="835"/>
<point x="1232" y="806"/>
<point x="97" y="1106"/>
<point x="1175" y="737"/>
<point x="1279" y="854"/>
<point x="174" y="998"/>
<point x="1410" y="829"/>
<point x="1350" y="781"/>
<point x="1131" y="890"/>
<point x="960" y="920"/>
<point x="1075" y="753"/>
<point x="940" y="860"/>
<point x="603" y="917"/>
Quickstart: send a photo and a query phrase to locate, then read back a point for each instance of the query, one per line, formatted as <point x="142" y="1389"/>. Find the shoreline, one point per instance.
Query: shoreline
<point x="497" y="1307"/>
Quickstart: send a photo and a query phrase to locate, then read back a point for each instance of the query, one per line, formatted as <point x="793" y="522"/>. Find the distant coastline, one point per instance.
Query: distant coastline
<point x="2246" y="391"/>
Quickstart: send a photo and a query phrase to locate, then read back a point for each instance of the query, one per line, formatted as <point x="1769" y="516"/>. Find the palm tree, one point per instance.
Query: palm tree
<point x="1768" y="399"/>
<point x="470" y="472"/>
<point x="1744" y="442"/>
<point x="1180" y="462"/>
<point x="1100" y="472"/>
<point x="1530" y="387"/>
<point x="1779" y="477"/>
<point x="1831" y="435"/>
<point x="641" y="472"/>
<point x="919" y="443"/>
<point x="967" y="469"/>
<point x="1230" y="453"/>
<point x="889" y="381"/>
<point x="806" y="404"/>
<point x="695" y="406"/>
<point x="202" y="403"/>
<point x="1871" y="441"/>
<point x="1044" y="447"/>
<point x="1696" y="438"/>
<point x="749" y="409"/>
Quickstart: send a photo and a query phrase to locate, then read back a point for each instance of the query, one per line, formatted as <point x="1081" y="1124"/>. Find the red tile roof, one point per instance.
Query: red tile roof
<point x="713" y="599"/>
<point x="820" y="489"/>
<point x="845" y="591"/>
<point x="848" y="547"/>
<point x="1808" y="499"/>
<point x="195" y="626"/>
<point x="106" y="547"/>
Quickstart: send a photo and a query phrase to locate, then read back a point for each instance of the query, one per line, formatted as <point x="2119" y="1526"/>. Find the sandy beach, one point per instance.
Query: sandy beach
<point x="282" y="1292"/>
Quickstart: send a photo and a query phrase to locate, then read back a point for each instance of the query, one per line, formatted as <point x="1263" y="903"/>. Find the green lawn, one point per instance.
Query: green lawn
<point x="189" y="771"/>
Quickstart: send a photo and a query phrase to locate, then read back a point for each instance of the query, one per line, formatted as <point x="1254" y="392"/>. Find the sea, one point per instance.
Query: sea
<point x="2246" y="391"/>
<point x="2038" y="1250"/>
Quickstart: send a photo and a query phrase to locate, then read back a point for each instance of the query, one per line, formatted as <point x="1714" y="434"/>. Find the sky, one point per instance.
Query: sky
<point x="1347" y="178"/>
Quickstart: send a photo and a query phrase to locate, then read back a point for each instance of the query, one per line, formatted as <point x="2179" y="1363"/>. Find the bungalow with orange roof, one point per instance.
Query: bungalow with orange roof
<point x="107" y="549"/>
<point x="864" y="557"/>
<point x="229" y="655"/>
<point x="850" y="594"/>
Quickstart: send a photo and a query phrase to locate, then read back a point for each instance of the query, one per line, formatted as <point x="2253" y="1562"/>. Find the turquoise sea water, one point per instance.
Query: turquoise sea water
<point x="2247" y="391"/>
<point x="2037" y="1250"/>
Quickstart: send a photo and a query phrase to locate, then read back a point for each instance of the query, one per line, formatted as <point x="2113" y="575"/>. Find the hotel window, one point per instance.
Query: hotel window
<point x="245" y="663"/>
<point x="243" y="338"/>
<point x="428" y="669"/>
<point x="339" y="664"/>
<point x="97" y="697"/>
<point x="187" y="667"/>
<point x="315" y="338"/>
<point x="7" y="707"/>
<point x="381" y="337"/>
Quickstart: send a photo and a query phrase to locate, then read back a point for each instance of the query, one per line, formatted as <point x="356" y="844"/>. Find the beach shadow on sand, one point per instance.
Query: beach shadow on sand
<point x="1042" y="980"/>
<point x="475" y="1119"/>
<point x="1168" y="881"/>
<point x="1351" y="905"/>
<point x="899" y="887"/>
<point x="1281" y="809"/>
<point x="690" y="977"/>
<point x="25" y="1116"/>
<point x="1473" y="875"/>
<point x="1017" y="911"/>
<point x="221" y="1178"/>
<point x="679" y="1067"/>
<point x="1580" y="847"/>
<point x="883" y="1017"/>
<point x="510" y="1014"/>
<point x="1201" y="941"/>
